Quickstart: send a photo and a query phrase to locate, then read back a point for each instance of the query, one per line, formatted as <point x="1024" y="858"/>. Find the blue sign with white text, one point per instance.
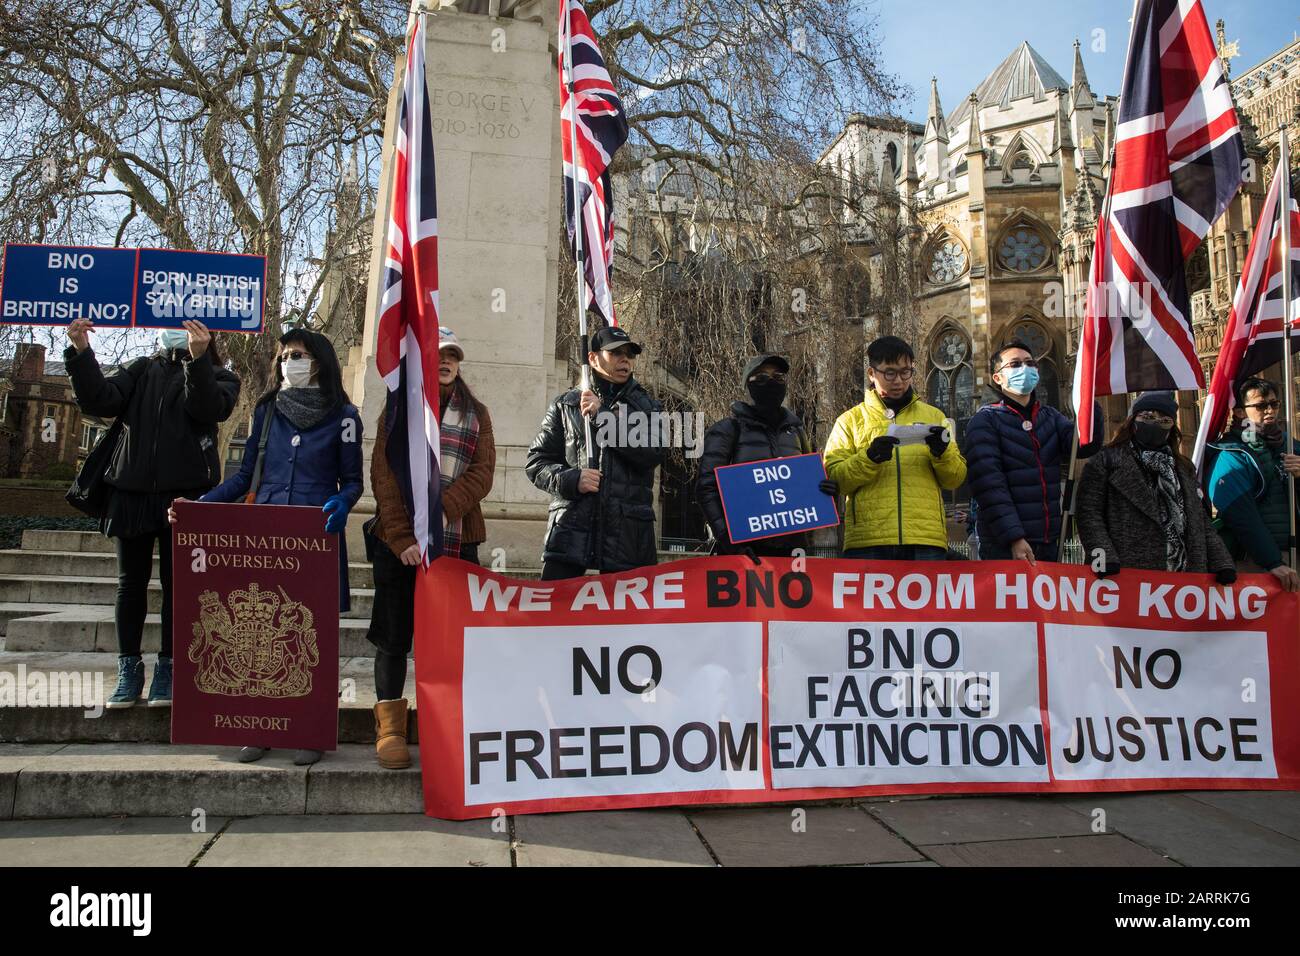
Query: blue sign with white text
<point x="224" y="291"/>
<point x="120" y="288"/>
<point x="762" y="499"/>
<point x="53" y="285"/>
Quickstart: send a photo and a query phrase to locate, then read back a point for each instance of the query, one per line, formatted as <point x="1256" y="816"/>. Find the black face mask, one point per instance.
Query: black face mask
<point x="1272" y="433"/>
<point x="1150" y="435"/>
<point x="767" y="395"/>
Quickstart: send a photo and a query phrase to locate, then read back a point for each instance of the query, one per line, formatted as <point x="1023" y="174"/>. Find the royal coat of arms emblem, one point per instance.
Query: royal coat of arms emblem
<point x="255" y="644"/>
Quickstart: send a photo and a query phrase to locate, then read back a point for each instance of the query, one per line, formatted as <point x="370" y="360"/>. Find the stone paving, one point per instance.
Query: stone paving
<point x="1162" y="829"/>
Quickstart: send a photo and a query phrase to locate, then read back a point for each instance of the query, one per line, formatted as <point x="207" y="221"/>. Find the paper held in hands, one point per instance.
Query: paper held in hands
<point x="909" y="434"/>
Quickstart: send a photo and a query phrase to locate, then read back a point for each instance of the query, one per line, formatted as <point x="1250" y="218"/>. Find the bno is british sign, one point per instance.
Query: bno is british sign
<point x="763" y="499"/>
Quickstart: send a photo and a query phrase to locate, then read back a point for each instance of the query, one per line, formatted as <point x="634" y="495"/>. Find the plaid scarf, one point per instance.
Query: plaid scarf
<point x="1161" y="472"/>
<point x="459" y="439"/>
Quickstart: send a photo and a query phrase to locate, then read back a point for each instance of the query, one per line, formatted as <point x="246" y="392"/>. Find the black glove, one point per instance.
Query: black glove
<point x="828" y="487"/>
<point x="1111" y="568"/>
<point x="882" y="449"/>
<point x="936" y="440"/>
<point x="1225" y="575"/>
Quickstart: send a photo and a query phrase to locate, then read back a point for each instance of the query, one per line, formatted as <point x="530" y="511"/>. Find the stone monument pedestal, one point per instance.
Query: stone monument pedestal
<point x="495" y="118"/>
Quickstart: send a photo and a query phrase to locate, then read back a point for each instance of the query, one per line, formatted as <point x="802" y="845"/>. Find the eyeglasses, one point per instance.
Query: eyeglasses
<point x="1272" y="406"/>
<point x="1154" y="418"/>
<point x="894" y="374"/>
<point x="1016" y="363"/>
<point x="296" y="355"/>
<point x="762" y="378"/>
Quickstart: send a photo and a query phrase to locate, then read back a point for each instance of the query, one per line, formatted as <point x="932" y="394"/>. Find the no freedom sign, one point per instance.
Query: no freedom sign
<point x="762" y="499"/>
<point x="715" y="681"/>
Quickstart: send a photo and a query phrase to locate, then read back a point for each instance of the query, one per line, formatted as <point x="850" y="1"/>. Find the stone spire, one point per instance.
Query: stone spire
<point x="975" y="140"/>
<point x="935" y="143"/>
<point x="1108" y="142"/>
<point x="1080" y="92"/>
<point x="934" y="122"/>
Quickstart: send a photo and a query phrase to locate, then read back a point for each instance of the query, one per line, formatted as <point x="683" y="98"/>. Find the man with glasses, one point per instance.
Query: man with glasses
<point x="1017" y="451"/>
<point x="891" y="481"/>
<point x="1252" y="466"/>
<point x="757" y="430"/>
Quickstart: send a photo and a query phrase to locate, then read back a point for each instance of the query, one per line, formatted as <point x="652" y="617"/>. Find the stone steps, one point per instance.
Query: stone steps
<point x="92" y="677"/>
<point x="99" y="564"/>
<point x="33" y="589"/>
<point x="42" y="781"/>
<point x="90" y="627"/>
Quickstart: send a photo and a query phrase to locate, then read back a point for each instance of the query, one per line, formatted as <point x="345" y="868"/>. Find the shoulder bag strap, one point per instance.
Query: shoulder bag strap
<point x="251" y="497"/>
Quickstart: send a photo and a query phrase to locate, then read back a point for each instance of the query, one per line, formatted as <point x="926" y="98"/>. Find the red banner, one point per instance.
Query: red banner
<point x="255" y="605"/>
<point x="714" y="681"/>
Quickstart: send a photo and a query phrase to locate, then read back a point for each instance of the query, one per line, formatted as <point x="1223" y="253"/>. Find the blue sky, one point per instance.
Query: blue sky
<point x="961" y="41"/>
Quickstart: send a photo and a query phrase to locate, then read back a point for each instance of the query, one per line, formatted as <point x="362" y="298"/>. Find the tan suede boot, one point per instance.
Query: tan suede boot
<point x="390" y="734"/>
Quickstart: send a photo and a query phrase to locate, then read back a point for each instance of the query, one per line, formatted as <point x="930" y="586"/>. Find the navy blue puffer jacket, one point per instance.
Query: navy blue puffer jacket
<point x="1014" y="473"/>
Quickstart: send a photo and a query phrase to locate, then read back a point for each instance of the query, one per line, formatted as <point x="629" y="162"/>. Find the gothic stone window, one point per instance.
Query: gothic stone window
<point x="1022" y="249"/>
<point x="947" y="261"/>
<point x="951" y="385"/>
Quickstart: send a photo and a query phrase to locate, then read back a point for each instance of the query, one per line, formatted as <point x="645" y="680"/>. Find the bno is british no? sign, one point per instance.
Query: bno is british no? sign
<point x="121" y="288"/>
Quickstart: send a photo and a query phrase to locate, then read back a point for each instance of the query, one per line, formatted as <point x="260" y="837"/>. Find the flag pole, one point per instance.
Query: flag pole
<point x="578" y="227"/>
<point x="1284" y="170"/>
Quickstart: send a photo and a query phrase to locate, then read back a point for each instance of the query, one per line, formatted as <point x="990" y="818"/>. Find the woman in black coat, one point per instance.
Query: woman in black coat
<point x="170" y="404"/>
<point x="757" y="430"/>
<point x="1140" y="505"/>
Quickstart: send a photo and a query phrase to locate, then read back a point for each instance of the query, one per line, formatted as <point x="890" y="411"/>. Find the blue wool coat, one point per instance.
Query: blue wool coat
<point x="324" y="462"/>
<point x="1014" y="474"/>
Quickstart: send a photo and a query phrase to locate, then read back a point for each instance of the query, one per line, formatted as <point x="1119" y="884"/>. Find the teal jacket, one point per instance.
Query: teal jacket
<point x="1249" y="491"/>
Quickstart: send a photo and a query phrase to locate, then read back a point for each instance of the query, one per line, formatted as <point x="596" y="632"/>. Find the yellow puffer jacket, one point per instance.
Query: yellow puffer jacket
<point x="899" y="501"/>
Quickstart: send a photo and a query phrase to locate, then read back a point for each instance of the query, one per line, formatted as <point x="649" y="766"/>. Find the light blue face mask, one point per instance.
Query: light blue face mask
<point x="1020" y="381"/>
<point x="173" y="338"/>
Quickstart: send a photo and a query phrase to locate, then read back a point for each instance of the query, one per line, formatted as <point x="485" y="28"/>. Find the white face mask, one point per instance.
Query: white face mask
<point x="173" y="338"/>
<point x="297" y="372"/>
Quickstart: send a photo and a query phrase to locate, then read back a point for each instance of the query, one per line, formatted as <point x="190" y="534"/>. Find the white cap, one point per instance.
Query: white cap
<point x="447" y="340"/>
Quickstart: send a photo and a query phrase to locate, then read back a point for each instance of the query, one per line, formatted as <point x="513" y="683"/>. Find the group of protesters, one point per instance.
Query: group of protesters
<point x="1139" y="503"/>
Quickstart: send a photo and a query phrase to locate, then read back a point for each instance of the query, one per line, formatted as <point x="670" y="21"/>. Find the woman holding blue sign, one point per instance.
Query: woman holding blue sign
<point x="167" y="407"/>
<point x="757" y="430"/>
<point x="304" y="449"/>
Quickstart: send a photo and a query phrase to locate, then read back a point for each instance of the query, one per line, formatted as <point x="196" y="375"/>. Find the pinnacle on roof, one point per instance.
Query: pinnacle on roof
<point x="1080" y="92"/>
<point x="935" y="128"/>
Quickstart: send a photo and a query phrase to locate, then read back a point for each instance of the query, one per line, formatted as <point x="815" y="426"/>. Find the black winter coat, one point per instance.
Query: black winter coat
<point x="614" y="528"/>
<point x="170" y="407"/>
<point x="1118" y="514"/>
<point x="746" y="436"/>
<point x="1014" y="474"/>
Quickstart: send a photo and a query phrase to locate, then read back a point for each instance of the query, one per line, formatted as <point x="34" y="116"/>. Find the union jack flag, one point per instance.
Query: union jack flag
<point x="1178" y="162"/>
<point x="1252" y="340"/>
<point x="406" y="352"/>
<point x="601" y="130"/>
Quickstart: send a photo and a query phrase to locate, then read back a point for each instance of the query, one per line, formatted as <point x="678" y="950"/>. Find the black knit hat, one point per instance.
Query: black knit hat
<point x="1163" y="402"/>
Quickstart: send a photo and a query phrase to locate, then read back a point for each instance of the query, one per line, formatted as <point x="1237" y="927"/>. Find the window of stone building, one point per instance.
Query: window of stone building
<point x="950" y="386"/>
<point x="1022" y="249"/>
<point x="946" y="260"/>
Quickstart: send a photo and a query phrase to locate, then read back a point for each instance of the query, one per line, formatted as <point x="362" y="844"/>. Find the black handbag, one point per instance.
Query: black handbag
<point x="89" y="491"/>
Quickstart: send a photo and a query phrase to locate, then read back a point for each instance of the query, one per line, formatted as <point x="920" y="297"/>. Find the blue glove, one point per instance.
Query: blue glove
<point x="337" y="508"/>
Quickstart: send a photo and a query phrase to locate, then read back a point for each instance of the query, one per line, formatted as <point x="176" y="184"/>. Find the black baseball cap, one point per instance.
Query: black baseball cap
<point x="612" y="337"/>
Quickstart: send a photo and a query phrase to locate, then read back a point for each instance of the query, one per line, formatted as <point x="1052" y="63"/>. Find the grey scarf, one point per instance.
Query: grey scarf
<point x="1158" y="464"/>
<point x="304" y="407"/>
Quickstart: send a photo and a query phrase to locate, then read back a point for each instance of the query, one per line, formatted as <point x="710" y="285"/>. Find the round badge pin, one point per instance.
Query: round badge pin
<point x="889" y="413"/>
<point x="296" y="441"/>
<point x="1027" y="425"/>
